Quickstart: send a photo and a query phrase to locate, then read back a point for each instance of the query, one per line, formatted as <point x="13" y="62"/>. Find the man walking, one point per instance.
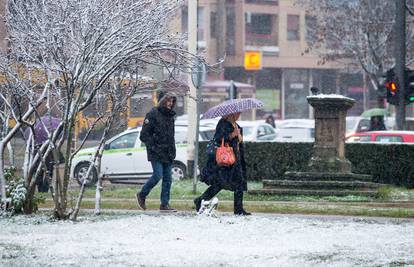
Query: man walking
<point x="158" y="135"/>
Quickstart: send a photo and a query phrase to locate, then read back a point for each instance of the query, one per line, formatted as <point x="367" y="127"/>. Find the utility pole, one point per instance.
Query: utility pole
<point x="231" y="90"/>
<point x="191" y="100"/>
<point x="221" y="34"/>
<point x="400" y="53"/>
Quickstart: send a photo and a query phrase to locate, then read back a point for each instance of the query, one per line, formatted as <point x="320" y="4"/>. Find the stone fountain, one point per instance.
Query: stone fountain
<point x="328" y="171"/>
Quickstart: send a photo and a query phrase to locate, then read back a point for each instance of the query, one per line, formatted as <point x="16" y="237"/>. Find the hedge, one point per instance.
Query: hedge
<point x="387" y="163"/>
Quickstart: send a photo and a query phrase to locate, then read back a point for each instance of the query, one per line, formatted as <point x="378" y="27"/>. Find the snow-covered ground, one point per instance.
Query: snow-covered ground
<point x="184" y="239"/>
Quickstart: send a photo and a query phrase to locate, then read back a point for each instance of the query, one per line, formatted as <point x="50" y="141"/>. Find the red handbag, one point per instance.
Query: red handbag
<point x="225" y="155"/>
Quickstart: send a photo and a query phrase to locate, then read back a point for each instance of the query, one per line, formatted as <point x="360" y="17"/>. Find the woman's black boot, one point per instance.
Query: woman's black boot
<point x="238" y="204"/>
<point x="197" y="203"/>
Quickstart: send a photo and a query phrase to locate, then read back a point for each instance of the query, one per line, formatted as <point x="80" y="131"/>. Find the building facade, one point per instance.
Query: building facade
<point x="278" y="30"/>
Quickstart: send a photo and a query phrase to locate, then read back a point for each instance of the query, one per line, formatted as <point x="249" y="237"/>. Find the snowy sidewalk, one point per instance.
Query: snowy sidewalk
<point x="184" y="239"/>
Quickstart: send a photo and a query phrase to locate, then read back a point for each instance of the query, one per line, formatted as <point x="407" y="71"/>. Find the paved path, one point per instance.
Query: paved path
<point x="388" y="204"/>
<point x="184" y="239"/>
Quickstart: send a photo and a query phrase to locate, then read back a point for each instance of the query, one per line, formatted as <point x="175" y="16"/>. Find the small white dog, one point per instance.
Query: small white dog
<point x="208" y="207"/>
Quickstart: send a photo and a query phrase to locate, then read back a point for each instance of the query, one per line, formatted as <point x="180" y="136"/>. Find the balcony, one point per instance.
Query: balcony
<point x="260" y="39"/>
<point x="266" y="2"/>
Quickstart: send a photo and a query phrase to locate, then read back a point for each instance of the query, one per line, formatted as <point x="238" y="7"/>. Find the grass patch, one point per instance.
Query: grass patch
<point x="393" y="193"/>
<point x="393" y="201"/>
<point x="258" y="207"/>
<point x="184" y="190"/>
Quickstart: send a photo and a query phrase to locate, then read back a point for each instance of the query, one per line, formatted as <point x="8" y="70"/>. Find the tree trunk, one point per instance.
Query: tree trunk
<point x="99" y="186"/>
<point x="62" y="187"/>
<point x="75" y="212"/>
<point x="2" y="178"/>
<point x="28" y="204"/>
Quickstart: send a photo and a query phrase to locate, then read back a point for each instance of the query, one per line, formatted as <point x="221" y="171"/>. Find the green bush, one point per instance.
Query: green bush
<point x="15" y="190"/>
<point x="387" y="163"/>
<point x="17" y="193"/>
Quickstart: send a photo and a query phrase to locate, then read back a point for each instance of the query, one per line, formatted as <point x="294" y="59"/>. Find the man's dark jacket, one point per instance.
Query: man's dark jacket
<point x="158" y="134"/>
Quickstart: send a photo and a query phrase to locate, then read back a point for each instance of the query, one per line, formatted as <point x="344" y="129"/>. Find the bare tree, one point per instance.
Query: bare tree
<point x="14" y="89"/>
<point x="124" y="85"/>
<point x="357" y="33"/>
<point x="77" y="46"/>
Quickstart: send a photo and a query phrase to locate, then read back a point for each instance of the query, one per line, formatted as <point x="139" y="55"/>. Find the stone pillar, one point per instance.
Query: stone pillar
<point x="330" y="127"/>
<point x="329" y="172"/>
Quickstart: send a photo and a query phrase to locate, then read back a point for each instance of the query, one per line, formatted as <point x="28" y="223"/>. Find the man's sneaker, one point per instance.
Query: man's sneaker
<point x="167" y="208"/>
<point x="141" y="202"/>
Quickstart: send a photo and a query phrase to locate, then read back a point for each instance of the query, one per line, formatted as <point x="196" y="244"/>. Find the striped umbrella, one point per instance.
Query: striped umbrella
<point x="232" y="106"/>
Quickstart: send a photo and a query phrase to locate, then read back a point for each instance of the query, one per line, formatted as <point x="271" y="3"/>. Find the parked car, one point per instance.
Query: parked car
<point x="253" y="131"/>
<point x="183" y="121"/>
<point x="296" y="130"/>
<point x="125" y="158"/>
<point x="356" y="124"/>
<point x="382" y="137"/>
<point x="257" y="131"/>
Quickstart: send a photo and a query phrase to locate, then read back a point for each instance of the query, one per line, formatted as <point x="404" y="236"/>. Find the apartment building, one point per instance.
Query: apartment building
<point x="278" y="29"/>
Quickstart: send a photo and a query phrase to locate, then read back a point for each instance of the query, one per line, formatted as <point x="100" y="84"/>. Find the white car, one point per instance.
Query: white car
<point x="125" y="158"/>
<point x="296" y="130"/>
<point x="257" y="131"/>
<point x="253" y="131"/>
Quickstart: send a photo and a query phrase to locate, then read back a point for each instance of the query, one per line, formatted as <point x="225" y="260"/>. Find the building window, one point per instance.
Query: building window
<point x="200" y="24"/>
<point x="213" y="25"/>
<point x="296" y="91"/>
<point x="231" y="30"/>
<point x="293" y="27"/>
<point x="261" y="29"/>
<point x="184" y="19"/>
<point x="310" y="34"/>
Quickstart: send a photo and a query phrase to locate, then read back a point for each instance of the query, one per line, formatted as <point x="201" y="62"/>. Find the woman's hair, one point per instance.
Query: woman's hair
<point x="231" y="117"/>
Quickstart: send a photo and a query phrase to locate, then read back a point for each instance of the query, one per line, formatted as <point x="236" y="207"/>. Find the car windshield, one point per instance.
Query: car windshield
<point x="351" y="122"/>
<point x="125" y="141"/>
<point x="207" y="134"/>
<point x="248" y="132"/>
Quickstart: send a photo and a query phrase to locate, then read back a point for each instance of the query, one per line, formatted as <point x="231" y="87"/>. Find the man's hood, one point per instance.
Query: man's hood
<point x="163" y="95"/>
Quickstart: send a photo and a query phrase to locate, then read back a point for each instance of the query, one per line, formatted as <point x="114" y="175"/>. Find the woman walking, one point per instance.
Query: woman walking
<point x="226" y="177"/>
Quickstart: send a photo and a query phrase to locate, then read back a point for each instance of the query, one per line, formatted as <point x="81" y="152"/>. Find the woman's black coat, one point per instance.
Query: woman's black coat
<point x="158" y="135"/>
<point x="230" y="178"/>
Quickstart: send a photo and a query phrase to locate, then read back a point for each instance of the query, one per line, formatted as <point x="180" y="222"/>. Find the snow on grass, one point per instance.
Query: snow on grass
<point x="184" y="239"/>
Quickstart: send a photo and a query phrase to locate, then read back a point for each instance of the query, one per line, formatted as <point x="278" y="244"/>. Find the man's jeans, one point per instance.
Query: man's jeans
<point x="160" y="170"/>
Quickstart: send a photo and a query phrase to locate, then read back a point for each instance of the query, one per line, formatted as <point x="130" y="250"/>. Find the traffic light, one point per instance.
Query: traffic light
<point x="393" y="89"/>
<point x="409" y="86"/>
<point x="391" y="86"/>
<point x="232" y="90"/>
